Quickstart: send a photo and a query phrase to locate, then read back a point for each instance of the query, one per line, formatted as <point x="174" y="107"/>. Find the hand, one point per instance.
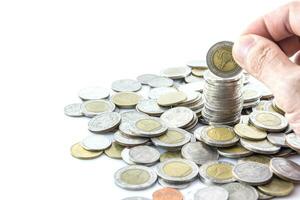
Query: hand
<point x="264" y="50"/>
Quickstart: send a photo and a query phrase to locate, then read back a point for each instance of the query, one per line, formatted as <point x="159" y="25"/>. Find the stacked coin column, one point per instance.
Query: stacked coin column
<point x="223" y="99"/>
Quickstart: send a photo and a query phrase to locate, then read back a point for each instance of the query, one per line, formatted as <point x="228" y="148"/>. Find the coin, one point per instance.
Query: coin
<point x="135" y="177"/>
<point x="211" y="193"/>
<point x="125" y="156"/>
<point x="194" y="86"/>
<point x="197" y="64"/>
<point x="114" y="151"/>
<point x="261" y="146"/>
<point x="73" y="110"/>
<point x="293" y="141"/>
<point x="262" y="196"/>
<point x="145" y="78"/>
<point x="177" y="170"/>
<point x="192" y="79"/>
<point x="167" y="194"/>
<point x="220" y="61"/>
<point x="268" y="121"/>
<point x="148" y="127"/>
<point x="277" y="139"/>
<point x="219" y="172"/>
<point x="126" y="99"/>
<point x="277" y="188"/>
<point x="171" y="98"/>
<point x="249" y="132"/>
<point x="136" y="198"/>
<point x="95" y="143"/>
<point x="176" y="72"/>
<point x="236" y="151"/>
<point x="199" y="153"/>
<point x="198" y="131"/>
<point x="104" y="122"/>
<point x="238" y="191"/>
<point x="262" y="159"/>
<point x="144" y="154"/>
<point x="264" y="106"/>
<point x="160" y="82"/>
<point x="198" y="72"/>
<point x="155" y="93"/>
<point x="93" y="93"/>
<point x="127" y="118"/>
<point x="79" y="152"/>
<point x="173" y="185"/>
<point x="126" y="85"/>
<point x="250" y="95"/>
<point x="150" y="107"/>
<point x="252" y="173"/>
<point x="177" y="117"/>
<point x="94" y="107"/>
<point x="127" y="140"/>
<point x="169" y="155"/>
<point x="286" y="169"/>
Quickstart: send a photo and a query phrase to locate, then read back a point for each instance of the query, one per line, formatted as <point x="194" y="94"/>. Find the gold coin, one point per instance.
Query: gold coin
<point x="177" y="169"/>
<point x="126" y="99"/>
<point x="221" y="134"/>
<point x="135" y="176"/>
<point x="172" y="137"/>
<point x="148" y="125"/>
<point x="114" y="151"/>
<point x="249" y="132"/>
<point x="171" y="98"/>
<point x="277" y="187"/>
<point x="220" y="171"/>
<point x="198" y="72"/>
<point x="170" y="155"/>
<point x="223" y="59"/>
<point x="79" y="152"/>
<point x="257" y="158"/>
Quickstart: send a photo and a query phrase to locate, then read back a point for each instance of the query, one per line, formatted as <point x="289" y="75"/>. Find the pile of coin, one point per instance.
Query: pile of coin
<point x="176" y="134"/>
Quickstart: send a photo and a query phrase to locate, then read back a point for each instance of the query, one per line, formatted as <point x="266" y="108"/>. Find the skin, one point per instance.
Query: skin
<point x="265" y="49"/>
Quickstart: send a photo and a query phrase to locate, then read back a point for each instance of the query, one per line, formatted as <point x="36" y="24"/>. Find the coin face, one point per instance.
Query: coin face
<point x="249" y="132"/>
<point x="144" y="154"/>
<point x="177" y="117"/>
<point x="126" y="85"/>
<point x="220" y="61"/>
<point x="250" y="94"/>
<point x="236" y="151"/>
<point x="127" y="140"/>
<point x="261" y="146"/>
<point x="155" y="93"/>
<point x="293" y="141"/>
<point x="104" y="122"/>
<point x="169" y="193"/>
<point x="114" y="151"/>
<point x="268" y="121"/>
<point x="93" y="93"/>
<point x="126" y="99"/>
<point x="277" y="139"/>
<point x="95" y="143"/>
<point x="277" y="187"/>
<point x="171" y="98"/>
<point x="174" y="137"/>
<point x="148" y="127"/>
<point x="77" y="151"/>
<point x="127" y="118"/>
<point x="286" y="169"/>
<point x="262" y="159"/>
<point x="252" y="173"/>
<point x="160" y="82"/>
<point x="94" y="107"/>
<point x="135" y="177"/>
<point x="211" y="193"/>
<point x="150" y="107"/>
<point x="145" y="78"/>
<point x="73" y="110"/>
<point x="238" y="191"/>
<point x="176" y="72"/>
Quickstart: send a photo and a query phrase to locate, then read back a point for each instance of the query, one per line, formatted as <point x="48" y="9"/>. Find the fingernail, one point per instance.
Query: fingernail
<point x="242" y="47"/>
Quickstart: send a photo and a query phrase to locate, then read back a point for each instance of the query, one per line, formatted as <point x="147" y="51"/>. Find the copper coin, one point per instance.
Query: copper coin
<point x="167" y="194"/>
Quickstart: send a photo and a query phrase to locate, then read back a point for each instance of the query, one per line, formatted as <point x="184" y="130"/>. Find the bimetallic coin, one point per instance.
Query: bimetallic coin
<point x="163" y="183"/>
<point x="262" y="196"/>
<point x="155" y="93"/>
<point x="73" y="110"/>
<point x="144" y="154"/>
<point x="148" y="127"/>
<point x="211" y="193"/>
<point x="170" y="193"/>
<point x="145" y="78"/>
<point x="77" y="151"/>
<point x="198" y="131"/>
<point x="220" y="61"/>
<point x="239" y="191"/>
<point x="160" y="82"/>
<point x="127" y="118"/>
<point x="177" y="117"/>
<point x="249" y="132"/>
<point x="135" y="177"/>
<point x="126" y="99"/>
<point x="236" y="151"/>
<point x="277" y="188"/>
<point x="170" y="155"/>
<point x="94" y="107"/>
<point x="262" y="159"/>
<point x="176" y="72"/>
<point x="269" y="121"/>
<point x="93" y="93"/>
<point x="104" y="122"/>
<point x="277" y="139"/>
<point x="125" y="156"/>
<point x="114" y="151"/>
<point x="150" y="107"/>
<point x="252" y="173"/>
<point x="197" y="64"/>
<point x="219" y="172"/>
<point x="126" y="140"/>
<point x="261" y="146"/>
<point x="95" y="143"/>
<point x="286" y="169"/>
<point x="171" y="98"/>
<point x="198" y="72"/>
<point x="293" y="141"/>
<point x="126" y="85"/>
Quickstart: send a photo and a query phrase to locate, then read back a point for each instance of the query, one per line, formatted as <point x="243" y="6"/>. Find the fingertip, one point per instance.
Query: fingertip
<point x="241" y="49"/>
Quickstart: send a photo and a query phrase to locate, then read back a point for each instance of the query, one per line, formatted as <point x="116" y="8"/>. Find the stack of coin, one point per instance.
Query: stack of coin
<point x="251" y="97"/>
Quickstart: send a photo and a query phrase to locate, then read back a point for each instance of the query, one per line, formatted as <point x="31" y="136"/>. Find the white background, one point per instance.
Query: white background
<point x="51" y="49"/>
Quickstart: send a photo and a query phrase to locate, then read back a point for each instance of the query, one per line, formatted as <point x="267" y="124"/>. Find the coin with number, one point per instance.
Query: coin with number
<point x="93" y="93"/>
<point x="126" y="85"/>
<point x="286" y="169"/>
<point x="239" y="191"/>
<point x="211" y="193"/>
<point x="95" y="143"/>
<point x="94" y="107"/>
<point x="104" y="122"/>
<point x="73" y="110"/>
<point x="268" y="121"/>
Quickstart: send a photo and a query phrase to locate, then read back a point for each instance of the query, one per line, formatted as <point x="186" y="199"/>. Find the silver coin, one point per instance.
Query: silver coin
<point x="197" y="64"/>
<point x="164" y="183"/>
<point x="144" y="154"/>
<point x="104" y="122"/>
<point x="262" y="196"/>
<point x="194" y="86"/>
<point x="73" y="110"/>
<point x="176" y="72"/>
<point x="267" y="124"/>
<point x="160" y="82"/>
<point x="285" y="169"/>
<point x="197" y="132"/>
<point x="177" y="117"/>
<point x="148" y="127"/>
<point x="277" y="139"/>
<point x="145" y="78"/>
<point x="250" y="94"/>
<point x="293" y="141"/>
<point x="234" y="154"/>
<point x="173" y="138"/>
<point x="192" y="79"/>
<point x="252" y="173"/>
<point x="126" y="140"/>
<point x="239" y="191"/>
<point x="199" y="153"/>
<point x="93" y="93"/>
<point x="125" y="157"/>
<point x="94" y="107"/>
<point x="192" y="97"/>
<point x="126" y="85"/>
<point x="150" y="107"/>
<point x="250" y="104"/>
<point x="261" y="146"/>
<point x="136" y="198"/>
<point x="211" y="193"/>
<point x="127" y="118"/>
<point x="143" y="177"/>
<point x="155" y="93"/>
<point x="95" y="143"/>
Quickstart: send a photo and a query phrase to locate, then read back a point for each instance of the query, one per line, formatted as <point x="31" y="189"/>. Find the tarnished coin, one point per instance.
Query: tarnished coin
<point x="126" y="85"/>
<point x="293" y="141"/>
<point x="93" y="93"/>
<point x="95" y="143"/>
<point x="197" y="64"/>
<point x="173" y="138"/>
<point x="164" y="183"/>
<point x="252" y="173"/>
<point x="239" y="191"/>
<point x="144" y="154"/>
<point x="219" y="136"/>
<point x="148" y="127"/>
<point x="126" y="99"/>
<point x="262" y="159"/>
<point x="114" y="151"/>
<point x="177" y="117"/>
<point x="261" y="146"/>
<point x="236" y="151"/>
<point x="94" y="107"/>
<point x="79" y="152"/>
<point x="198" y="72"/>
<point x="145" y="78"/>
<point x="269" y="121"/>
<point x="220" y="61"/>
<point x="104" y="122"/>
<point x="176" y="72"/>
<point x="277" y="139"/>
<point x="150" y="107"/>
<point x="136" y="198"/>
<point x="167" y="194"/>
<point x="249" y="132"/>
<point x="286" y="169"/>
<point x="277" y="188"/>
<point x="199" y="153"/>
<point x="177" y="170"/>
<point x="219" y="172"/>
<point x="135" y="177"/>
<point x="73" y="110"/>
<point x="170" y="155"/>
<point x="129" y="141"/>
<point x="171" y="98"/>
<point x="160" y="82"/>
<point x="211" y="193"/>
<point x="155" y="93"/>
